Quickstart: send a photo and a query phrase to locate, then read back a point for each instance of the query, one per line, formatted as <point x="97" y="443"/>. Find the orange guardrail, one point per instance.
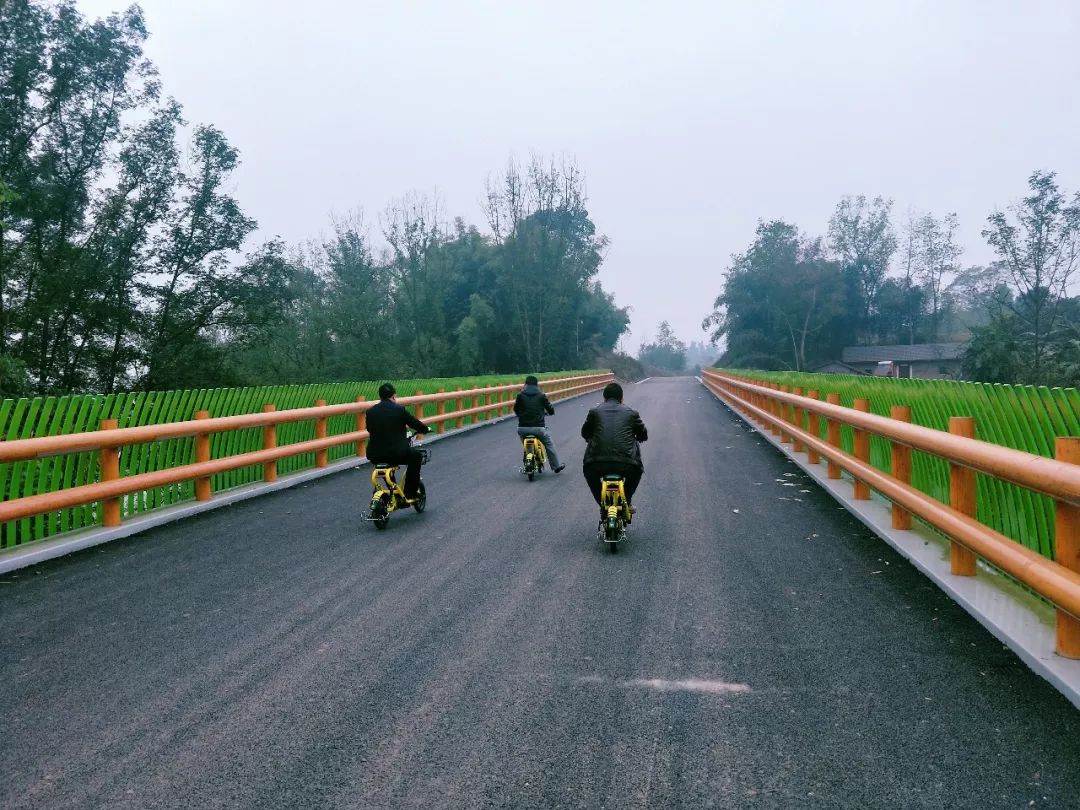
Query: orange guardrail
<point x="108" y="441"/>
<point x="795" y="418"/>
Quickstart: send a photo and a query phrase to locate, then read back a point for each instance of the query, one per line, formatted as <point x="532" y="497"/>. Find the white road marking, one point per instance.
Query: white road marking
<point x="711" y="687"/>
<point x="690" y="685"/>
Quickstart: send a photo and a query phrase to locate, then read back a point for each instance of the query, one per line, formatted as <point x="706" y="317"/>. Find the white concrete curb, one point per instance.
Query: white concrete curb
<point x="1018" y="619"/>
<point x="35" y="553"/>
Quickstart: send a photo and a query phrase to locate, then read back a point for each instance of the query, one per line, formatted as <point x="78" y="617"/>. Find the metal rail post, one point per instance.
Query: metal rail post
<point x="361" y="425"/>
<point x="110" y="471"/>
<point x="202" y="453"/>
<point x="901" y="467"/>
<point x="320" y="433"/>
<point x="1067" y="549"/>
<point x="962" y="498"/>
<point x="832" y="429"/>
<point x="814" y="428"/>
<point x="269" y="443"/>
<point x="862" y="451"/>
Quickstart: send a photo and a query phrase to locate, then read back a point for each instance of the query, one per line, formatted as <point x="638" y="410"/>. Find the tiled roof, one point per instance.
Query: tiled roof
<point x="903" y="353"/>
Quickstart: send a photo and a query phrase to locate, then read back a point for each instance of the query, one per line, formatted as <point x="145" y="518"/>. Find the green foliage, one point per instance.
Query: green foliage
<point x="788" y="304"/>
<point x="667" y="352"/>
<point x="784" y="305"/>
<point x="122" y="252"/>
<point x="50" y="416"/>
<point x="1038" y="242"/>
<point x="1021" y="417"/>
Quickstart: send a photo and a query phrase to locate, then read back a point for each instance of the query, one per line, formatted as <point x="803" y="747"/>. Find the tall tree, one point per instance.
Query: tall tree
<point x="784" y="305"/>
<point x="862" y="237"/>
<point x="188" y="285"/>
<point x="1038" y="240"/>
<point x="666" y="351"/>
<point x="938" y="252"/>
<point x="548" y="255"/>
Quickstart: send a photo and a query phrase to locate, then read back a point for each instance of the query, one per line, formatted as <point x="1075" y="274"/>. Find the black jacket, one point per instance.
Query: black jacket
<point x="530" y="406"/>
<point x="386" y="424"/>
<point x="613" y="431"/>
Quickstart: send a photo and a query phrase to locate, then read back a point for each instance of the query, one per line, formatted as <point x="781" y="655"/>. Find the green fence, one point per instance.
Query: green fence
<point x="1022" y="417"/>
<point x="51" y="416"/>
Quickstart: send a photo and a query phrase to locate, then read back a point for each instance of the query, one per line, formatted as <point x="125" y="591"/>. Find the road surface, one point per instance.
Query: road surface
<point x="752" y="645"/>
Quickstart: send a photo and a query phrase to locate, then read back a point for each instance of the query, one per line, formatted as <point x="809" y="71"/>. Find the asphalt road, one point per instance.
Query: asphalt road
<point x="744" y="649"/>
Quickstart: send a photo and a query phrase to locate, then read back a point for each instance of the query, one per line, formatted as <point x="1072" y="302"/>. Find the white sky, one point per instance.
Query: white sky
<point x="691" y="120"/>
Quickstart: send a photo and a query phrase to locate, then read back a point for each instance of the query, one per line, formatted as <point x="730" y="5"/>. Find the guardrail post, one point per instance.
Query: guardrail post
<point x="814" y="428"/>
<point x="202" y="453"/>
<point x="460" y="407"/>
<point x="269" y="443"/>
<point x="862" y="451"/>
<point x="440" y="409"/>
<point x="1067" y="548"/>
<point x="832" y="431"/>
<point x="901" y="467"/>
<point x="361" y="425"/>
<point x="785" y="415"/>
<point x="320" y="433"/>
<point x="419" y="406"/>
<point x="797" y="414"/>
<point x="774" y="409"/>
<point x="110" y="471"/>
<point x="490" y="413"/>
<point x="962" y="498"/>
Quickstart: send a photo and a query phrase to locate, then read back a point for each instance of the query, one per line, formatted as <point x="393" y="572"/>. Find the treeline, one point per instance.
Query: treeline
<point x="793" y="301"/>
<point x="123" y="261"/>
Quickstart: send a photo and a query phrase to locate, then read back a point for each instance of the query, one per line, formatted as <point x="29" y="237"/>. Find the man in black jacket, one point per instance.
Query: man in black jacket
<point x="613" y="432"/>
<point x="530" y="406"/>
<point x="387" y="440"/>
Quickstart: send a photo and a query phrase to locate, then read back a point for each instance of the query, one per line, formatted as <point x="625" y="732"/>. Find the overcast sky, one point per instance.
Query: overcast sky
<point x="691" y="120"/>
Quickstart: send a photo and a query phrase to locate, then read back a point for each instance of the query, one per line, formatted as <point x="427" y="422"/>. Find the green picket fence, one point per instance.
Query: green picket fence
<point x="1022" y="417"/>
<point x="51" y="416"/>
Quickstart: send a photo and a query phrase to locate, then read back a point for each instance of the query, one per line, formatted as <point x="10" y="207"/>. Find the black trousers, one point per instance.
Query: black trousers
<point x="595" y="472"/>
<point x="412" y="471"/>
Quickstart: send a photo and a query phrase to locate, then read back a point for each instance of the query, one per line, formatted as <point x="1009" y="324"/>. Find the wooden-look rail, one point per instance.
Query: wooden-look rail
<point x="1058" y="580"/>
<point x="108" y="441"/>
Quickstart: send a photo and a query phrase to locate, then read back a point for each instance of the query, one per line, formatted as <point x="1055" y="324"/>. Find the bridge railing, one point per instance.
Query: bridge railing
<point x="797" y="418"/>
<point x="451" y="407"/>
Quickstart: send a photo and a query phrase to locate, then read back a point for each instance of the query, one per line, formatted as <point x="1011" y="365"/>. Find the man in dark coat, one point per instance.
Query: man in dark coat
<point x="387" y="441"/>
<point x="530" y="406"/>
<point x="613" y="432"/>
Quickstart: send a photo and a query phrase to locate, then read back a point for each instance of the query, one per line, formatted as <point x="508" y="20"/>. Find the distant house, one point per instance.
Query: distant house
<point x="836" y="367"/>
<point x="927" y="361"/>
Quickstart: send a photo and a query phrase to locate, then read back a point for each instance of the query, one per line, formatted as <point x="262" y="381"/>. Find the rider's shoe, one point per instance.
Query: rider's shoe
<point x="559" y="469"/>
<point x="633" y="509"/>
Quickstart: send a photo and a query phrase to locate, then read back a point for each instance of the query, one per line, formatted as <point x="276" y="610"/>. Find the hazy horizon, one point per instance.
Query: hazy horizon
<point x="691" y="123"/>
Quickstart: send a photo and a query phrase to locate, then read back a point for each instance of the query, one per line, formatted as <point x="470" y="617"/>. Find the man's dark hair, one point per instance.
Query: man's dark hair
<point x="613" y="391"/>
<point x="386" y="390"/>
<point x="531" y="380"/>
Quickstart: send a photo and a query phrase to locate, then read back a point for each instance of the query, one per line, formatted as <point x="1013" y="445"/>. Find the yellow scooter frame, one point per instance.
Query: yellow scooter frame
<point x="615" y="511"/>
<point x="534" y="456"/>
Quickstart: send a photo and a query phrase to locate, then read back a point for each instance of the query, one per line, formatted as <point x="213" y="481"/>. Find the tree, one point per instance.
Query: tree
<point x="936" y="260"/>
<point x="665" y="352"/>
<point x="784" y="305"/>
<point x="548" y="254"/>
<point x="862" y="237"/>
<point x="65" y="87"/>
<point x="1039" y="245"/>
<point x="413" y="227"/>
<point x="189" y="282"/>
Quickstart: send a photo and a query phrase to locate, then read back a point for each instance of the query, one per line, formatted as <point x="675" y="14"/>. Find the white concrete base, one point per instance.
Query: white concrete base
<point x="23" y="556"/>
<point x="1013" y="615"/>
